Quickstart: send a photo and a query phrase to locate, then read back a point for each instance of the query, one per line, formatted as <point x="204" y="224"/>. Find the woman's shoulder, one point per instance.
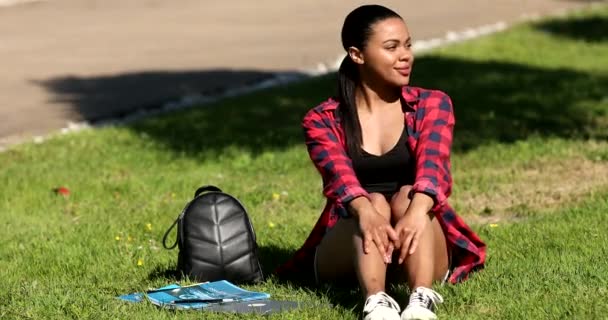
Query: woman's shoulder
<point x="325" y="108"/>
<point x="422" y="99"/>
<point x="413" y="94"/>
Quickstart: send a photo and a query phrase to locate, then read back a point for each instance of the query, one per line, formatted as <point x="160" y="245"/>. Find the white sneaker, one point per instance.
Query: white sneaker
<point x="422" y="303"/>
<point x="381" y="306"/>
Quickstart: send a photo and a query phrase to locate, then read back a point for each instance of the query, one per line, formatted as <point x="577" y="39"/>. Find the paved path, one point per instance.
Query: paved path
<point x="74" y="60"/>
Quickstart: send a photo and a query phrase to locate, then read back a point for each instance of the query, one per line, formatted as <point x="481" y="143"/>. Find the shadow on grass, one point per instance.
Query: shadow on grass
<point x="270" y="258"/>
<point x="590" y="29"/>
<point x="346" y="295"/>
<point x="167" y="272"/>
<point x="503" y="102"/>
<point x="494" y="102"/>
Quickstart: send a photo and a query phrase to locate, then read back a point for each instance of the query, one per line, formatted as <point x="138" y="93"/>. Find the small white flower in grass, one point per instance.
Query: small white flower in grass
<point x="152" y="244"/>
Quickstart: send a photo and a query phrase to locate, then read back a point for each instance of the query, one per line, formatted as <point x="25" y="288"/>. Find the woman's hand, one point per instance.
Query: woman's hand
<point x="409" y="228"/>
<point x="412" y="224"/>
<point x="376" y="230"/>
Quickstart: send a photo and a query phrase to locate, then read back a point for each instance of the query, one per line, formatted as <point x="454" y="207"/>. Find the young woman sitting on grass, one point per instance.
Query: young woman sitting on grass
<point x="383" y="151"/>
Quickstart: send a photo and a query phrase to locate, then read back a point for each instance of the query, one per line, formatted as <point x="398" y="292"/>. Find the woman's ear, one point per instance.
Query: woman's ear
<point x="356" y="55"/>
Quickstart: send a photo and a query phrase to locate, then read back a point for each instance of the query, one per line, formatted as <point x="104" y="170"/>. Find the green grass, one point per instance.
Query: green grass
<point x="526" y="100"/>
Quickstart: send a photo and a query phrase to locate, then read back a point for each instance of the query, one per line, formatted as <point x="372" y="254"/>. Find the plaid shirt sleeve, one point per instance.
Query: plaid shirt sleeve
<point x="340" y="182"/>
<point x="436" y="118"/>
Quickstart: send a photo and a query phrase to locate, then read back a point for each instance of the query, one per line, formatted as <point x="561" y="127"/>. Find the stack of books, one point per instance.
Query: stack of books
<point x="220" y="296"/>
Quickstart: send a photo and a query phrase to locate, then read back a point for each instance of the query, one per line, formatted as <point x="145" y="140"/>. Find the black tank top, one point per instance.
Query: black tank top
<point x="386" y="173"/>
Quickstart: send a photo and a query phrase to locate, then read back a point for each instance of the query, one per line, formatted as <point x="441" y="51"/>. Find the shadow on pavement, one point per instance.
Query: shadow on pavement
<point x="115" y="96"/>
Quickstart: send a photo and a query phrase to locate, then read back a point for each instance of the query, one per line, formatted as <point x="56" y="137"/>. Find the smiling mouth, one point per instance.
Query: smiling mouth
<point x="404" y="71"/>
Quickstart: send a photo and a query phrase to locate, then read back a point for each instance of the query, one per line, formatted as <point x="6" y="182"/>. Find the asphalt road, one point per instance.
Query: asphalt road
<point x="66" y="61"/>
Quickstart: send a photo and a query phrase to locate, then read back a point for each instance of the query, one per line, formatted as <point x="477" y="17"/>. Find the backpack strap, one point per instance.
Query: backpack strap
<point x="206" y="189"/>
<point x="167" y="234"/>
<point x="199" y="191"/>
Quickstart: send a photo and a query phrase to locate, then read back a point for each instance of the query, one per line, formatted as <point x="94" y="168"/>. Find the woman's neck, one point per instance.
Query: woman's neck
<point x="371" y="97"/>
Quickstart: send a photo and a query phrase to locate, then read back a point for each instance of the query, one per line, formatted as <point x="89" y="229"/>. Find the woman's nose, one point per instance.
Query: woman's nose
<point x="405" y="55"/>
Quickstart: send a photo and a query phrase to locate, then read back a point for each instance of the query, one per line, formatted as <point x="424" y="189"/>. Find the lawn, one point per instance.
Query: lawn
<point x="530" y="164"/>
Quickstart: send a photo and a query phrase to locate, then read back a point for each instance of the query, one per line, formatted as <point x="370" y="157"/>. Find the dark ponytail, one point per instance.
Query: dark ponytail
<point x="348" y="79"/>
<point x="356" y="30"/>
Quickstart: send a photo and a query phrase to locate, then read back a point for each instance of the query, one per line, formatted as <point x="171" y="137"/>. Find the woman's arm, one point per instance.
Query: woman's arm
<point x="420" y="205"/>
<point x="433" y="166"/>
<point x="340" y="182"/>
<point x="433" y="182"/>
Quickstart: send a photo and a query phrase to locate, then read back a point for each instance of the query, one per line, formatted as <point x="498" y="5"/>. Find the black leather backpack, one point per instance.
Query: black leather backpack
<point x="216" y="239"/>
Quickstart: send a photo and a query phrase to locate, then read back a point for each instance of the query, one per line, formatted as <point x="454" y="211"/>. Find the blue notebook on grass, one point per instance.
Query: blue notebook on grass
<point x="197" y="296"/>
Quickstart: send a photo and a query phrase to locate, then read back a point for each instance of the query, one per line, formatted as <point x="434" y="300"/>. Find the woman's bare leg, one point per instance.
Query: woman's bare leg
<point x="430" y="260"/>
<point x="340" y="255"/>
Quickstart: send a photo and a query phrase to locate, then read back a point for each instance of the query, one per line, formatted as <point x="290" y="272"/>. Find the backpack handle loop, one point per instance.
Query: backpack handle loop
<point x="206" y="188"/>
<point x="167" y="234"/>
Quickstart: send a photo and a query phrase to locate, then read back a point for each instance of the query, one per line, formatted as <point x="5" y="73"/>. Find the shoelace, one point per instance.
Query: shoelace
<point x="425" y="297"/>
<point x="380" y="299"/>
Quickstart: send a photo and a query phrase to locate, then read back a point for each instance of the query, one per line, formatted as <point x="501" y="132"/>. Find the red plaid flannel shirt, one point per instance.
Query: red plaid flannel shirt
<point x="429" y="122"/>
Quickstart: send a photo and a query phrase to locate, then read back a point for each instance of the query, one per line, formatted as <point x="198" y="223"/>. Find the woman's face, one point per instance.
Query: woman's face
<point x="388" y="55"/>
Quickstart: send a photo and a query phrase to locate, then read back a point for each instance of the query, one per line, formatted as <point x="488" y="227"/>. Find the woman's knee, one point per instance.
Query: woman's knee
<point x="381" y="205"/>
<point x="405" y="189"/>
<point x="376" y="198"/>
<point x="400" y="202"/>
<point x="334" y="255"/>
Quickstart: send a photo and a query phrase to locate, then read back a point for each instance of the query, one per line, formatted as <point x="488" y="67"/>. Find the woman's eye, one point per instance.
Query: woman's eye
<point x="391" y="48"/>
